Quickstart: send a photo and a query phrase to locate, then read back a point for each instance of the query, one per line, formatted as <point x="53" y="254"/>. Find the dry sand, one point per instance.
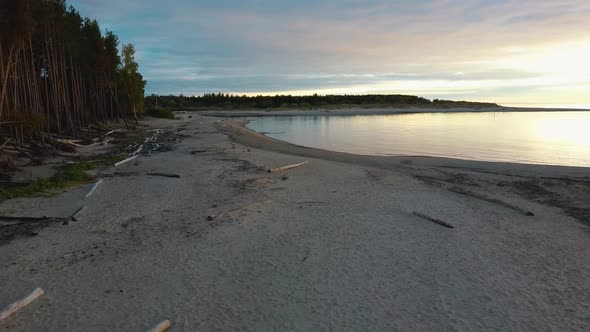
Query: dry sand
<point x="335" y="246"/>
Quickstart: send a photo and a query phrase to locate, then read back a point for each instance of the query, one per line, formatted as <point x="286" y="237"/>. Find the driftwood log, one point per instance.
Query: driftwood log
<point x="126" y="160"/>
<point x="93" y="188"/>
<point x="284" y="168"/>
<point x="18" y="305"/>
<point x="163" y="326"/>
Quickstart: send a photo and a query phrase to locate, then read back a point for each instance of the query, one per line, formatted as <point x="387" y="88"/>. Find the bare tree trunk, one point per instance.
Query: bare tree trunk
<point x="4" y="86"/>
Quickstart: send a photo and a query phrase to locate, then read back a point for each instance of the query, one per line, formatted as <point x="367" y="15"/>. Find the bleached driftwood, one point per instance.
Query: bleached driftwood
<point x="18" y="305"/>
<point x="72" y="142"/>
<point x="112" y="132"/>
<point x="284" y="168"/>
<point x="93" y="188"/>
<point x="138" y="150"/>
<point x="126" y="160"/>
<point x="163" y="326"/>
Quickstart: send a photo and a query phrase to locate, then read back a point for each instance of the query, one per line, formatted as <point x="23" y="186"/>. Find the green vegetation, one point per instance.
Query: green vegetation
<point x="59" y="72"/>
<point x="159" y="112"/>
<point x="66" y="176"/>
<point x="226" y="101"/>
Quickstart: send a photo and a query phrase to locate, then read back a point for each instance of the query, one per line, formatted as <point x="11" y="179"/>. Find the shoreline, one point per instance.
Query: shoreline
<point x="428" y="170"/>
<point x="219" y="243"/>
<point x="353" y="111"/>
<point x="241" y="134"/>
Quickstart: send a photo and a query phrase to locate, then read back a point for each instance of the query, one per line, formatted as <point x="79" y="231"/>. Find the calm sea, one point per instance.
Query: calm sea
<point x="556" y="138"/>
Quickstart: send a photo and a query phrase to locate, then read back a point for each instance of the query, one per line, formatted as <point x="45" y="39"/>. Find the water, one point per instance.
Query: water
<point x="556" y="138"/>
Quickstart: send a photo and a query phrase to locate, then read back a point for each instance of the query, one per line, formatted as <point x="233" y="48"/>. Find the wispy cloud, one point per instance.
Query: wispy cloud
<point x="476" y="49"/>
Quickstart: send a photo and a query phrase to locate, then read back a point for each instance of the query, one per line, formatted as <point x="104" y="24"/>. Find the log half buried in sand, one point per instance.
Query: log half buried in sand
<point x="18" y="305"/>
<point x="434" y="220"/>
<point x="163" y="326"/>
<point x="284" y="168"/>
<point x="28" y="219"/>
<point x="482" y="197"/>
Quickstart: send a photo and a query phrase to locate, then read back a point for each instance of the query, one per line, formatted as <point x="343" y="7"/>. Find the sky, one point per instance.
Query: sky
<point x="504" y="51"/>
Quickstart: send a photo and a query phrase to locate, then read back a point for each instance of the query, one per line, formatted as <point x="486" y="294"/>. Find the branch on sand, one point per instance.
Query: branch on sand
<point x="434" y="220"/>
<point x="176" y="176"/>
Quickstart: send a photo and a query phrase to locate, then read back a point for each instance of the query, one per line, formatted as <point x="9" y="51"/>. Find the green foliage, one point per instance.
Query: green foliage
<point x="65" y="176"/>
<point x="132" y="80"/>
<point x="57" y="63"/>
<point x="159" y="112"/>
<point x="300" y="102"/>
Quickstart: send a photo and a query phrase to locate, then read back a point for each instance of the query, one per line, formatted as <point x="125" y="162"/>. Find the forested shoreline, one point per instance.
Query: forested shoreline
<point x="228" y="101"/>
<point x="59" y="73"/>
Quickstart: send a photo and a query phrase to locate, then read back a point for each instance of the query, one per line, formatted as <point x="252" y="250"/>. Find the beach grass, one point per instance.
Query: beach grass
<point x="66" y="176"/>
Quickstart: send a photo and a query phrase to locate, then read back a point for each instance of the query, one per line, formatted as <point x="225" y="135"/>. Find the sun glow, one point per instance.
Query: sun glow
<point x="570" y="130"/>
<point x="568" y="59"/>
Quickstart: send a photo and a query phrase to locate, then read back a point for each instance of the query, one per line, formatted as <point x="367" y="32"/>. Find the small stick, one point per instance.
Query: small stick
<point x="284" y="168"/>
<point x="213" y="216"/>
<point x="18" y="305"/>
<point x="163" y="326"/>
<point x="3" y="145"/>
<point x="126" y="160"/>
<point x="93" y="188"/>
<point x="176" y="176"/>
<point x="112" y="131"/>
<point x="434" y="220"/>
<point x="73" y="216"/>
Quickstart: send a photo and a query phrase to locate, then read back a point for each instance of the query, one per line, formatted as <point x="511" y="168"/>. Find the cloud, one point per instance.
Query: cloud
<point x="477" y="47"/>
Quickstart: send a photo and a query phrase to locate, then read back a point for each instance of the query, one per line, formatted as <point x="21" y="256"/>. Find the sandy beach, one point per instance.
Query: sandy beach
<point x="336" y="244"/>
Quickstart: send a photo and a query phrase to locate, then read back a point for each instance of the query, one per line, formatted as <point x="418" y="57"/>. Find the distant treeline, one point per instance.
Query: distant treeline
<point x="227" y="101"/>
<point x="59" y="73"/>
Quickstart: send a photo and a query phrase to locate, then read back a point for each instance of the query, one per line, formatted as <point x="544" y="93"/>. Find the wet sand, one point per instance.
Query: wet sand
<point x="334" y="244"/>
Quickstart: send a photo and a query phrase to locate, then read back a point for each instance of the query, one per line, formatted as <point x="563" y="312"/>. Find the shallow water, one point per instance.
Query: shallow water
<point x="557" y="138"/>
